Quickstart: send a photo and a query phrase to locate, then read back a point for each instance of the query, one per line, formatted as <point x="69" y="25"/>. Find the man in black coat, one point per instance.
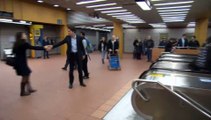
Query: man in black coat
<point x="113" y="45"/>
<point x="149" y="45"/>
<point x="183" y="42"/>
<point x="76" y="54"/>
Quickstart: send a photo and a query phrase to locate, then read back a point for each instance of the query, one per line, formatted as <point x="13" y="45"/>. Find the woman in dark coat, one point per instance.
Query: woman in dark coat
<point x="21" y="66"/>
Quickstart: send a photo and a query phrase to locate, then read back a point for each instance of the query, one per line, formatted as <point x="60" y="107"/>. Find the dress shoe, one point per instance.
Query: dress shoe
<point x="82" y="85"/>
<point x="64" y="68"/>
<point x="32" y="91"/>
<point x="25" y="94"/>
<point x="70" y="86"/>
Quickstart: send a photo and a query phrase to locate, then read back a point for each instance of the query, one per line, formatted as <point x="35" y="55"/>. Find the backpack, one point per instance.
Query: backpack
<point x="89" y="47"/>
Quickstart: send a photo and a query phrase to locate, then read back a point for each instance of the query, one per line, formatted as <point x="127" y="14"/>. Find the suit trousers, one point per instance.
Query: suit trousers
<point x="75" y="58"/>
<point x="85" y="67"/>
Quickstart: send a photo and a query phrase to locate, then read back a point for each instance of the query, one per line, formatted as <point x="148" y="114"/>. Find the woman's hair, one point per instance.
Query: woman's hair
<point x="18" y="40"/>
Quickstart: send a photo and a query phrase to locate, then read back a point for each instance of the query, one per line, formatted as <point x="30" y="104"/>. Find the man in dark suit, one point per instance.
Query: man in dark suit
<point x="183" y="42"/>
<point x="76" y="53"/>
<point x="113" y="45"/>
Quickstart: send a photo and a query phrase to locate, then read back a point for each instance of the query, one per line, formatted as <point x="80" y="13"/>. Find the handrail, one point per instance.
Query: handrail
<point x="180" y="95"/>
<point x="134" y="86"/>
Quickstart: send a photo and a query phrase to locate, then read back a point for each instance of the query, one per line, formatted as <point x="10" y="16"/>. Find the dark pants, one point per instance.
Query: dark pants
<point x="75" y="58"/>
<point x="85" y="67"/>
<point x="45" y="54"/>
<point x="67" y="62"/>
<point x="149" y="54"/>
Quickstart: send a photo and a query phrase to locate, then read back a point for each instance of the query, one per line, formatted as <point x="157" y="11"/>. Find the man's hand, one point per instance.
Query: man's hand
<point x="48" y="47"/>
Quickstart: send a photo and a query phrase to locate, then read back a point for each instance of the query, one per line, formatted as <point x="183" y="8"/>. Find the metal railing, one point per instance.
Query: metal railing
<point x="146" y="97"/>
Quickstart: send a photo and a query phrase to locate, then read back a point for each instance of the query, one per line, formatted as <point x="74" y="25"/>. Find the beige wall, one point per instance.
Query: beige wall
<point x="34" y="12"/>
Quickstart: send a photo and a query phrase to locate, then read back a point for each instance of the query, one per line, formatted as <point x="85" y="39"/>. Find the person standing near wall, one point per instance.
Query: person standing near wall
<point x="183" y="42"/>
<point x="45" y="42"/>
<point x="193" y="42"/>
<point x="102" y="47"/>
<point x="85" y="60"/>
<point x="135" y="45"/>
<point x="149" y="45"/>
<point x="21" y="67"/>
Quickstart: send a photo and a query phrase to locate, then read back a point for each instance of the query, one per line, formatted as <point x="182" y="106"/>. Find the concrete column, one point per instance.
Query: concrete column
<point x="63" y="33"/>
<point x="201" y="30"/>
<point x="118" y="31"/>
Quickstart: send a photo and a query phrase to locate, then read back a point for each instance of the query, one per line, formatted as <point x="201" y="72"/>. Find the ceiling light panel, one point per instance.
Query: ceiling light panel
<point x="108" y="8"/>
<point x="121" y="13"/>
<point x="114" y="11"/>
<point x="173" y="11"/>
<point x="101" y="5"/>
<point x="175" y="7"/>
<point x="89" y="2"/>
<point x="173" y="3"/>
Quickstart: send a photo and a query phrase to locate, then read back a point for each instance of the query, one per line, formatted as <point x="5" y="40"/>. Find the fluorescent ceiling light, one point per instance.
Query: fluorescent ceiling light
<point x="40" y="1"/>
<point x="135" y="17"/>
<point x="14" y="22"/>
<point x="88" y="1"/>
<point x="128" y="26"/>
<point x="144" y="4"/>
<point x="109" y="27"/>
<point x="158" y="25"/>
<point x="56" y="5"/>
<point x="173" y="10"/>
<point x="173" y="3"/>
<point x="68" y="9"/>
<point x="100" y="25"/>
<point x="191" y="24"/>
<point x="170" y="13"/>
<point x="110" y="8"/>
<point x="114" y="11"/>
<point x="173" y="15"/>
<point x="174" y="21"/>
<point x="122" y="13"/>
<point x="101" y="5"/>
<point x="5" y="20"/>
<point x="135" y="21"/>
<point x="174" y="7"/>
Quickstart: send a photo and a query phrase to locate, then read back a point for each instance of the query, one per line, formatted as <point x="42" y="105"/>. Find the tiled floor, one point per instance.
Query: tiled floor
<point x="54" y="101"/>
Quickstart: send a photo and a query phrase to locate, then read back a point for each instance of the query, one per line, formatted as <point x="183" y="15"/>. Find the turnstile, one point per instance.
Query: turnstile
<point x="167" y="95"/>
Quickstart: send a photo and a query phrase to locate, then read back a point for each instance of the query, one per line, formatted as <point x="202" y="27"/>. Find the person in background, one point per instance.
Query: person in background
<point x="193" y="42"/>
<point x="135" y="45"/>
<point x="76" y="54"/>
<point x="149" y="45"/>
<point x="85" y="60"/>
<point x="45" y="42"/>
<point x="102" y="47"/>
<point x="144" y="49"/>
<point x="162" y="43"/>
<point x="21" y="67"/>
<point x="139" y="49"/>
<point x="183" y="42"/>
<point x="113" y="45"/>
<point x="170" y="44"/>
<point x="203" y="61"/>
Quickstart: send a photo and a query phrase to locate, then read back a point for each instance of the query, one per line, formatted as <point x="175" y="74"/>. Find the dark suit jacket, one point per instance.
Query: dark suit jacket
<point x="116" y="45"/>
<point x="68" y="41"/>
<point x="21" y="65"/>
<point x="180" y="43"/>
